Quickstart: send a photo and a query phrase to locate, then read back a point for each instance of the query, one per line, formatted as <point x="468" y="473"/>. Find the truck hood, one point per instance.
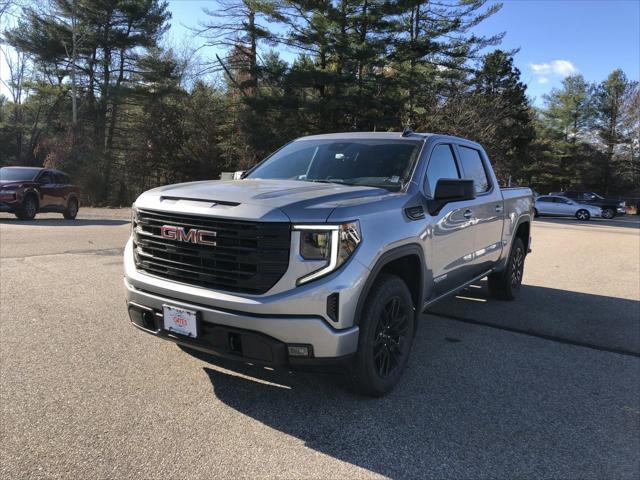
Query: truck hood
<point x="268" y="200"/>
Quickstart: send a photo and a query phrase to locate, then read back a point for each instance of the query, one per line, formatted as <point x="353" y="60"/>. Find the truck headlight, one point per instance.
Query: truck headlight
<point x="8" y="194"/>
<point x="333" y="244"/>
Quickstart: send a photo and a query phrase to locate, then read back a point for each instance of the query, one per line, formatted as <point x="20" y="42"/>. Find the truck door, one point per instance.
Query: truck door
<point x="451" y="243"/>
<point x="487" y="210"/>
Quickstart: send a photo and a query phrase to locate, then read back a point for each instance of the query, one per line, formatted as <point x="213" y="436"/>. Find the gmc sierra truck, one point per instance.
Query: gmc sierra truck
<point x="326" y="252"/>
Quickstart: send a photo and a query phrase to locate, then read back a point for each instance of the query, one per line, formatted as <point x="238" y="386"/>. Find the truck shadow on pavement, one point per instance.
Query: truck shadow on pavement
<point x="469" y="405"/>
<point x="599" y="321"/>
<point x="474" y="401"/>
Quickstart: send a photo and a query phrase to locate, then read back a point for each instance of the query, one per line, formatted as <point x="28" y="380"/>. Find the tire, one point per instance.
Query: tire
<point x="535" y="213"/>
<point x="72" y="209"/>
<point x="505" y="285"/>
<point x="608" y="213"/>
<point x="387" y="326"/>
<point x="28" y="209"/>
<point x="583" y="214"/>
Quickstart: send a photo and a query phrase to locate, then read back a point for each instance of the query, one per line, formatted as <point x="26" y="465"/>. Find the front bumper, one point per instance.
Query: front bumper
<point x="9" y="207"/>
<point x="270" y="332"/>
<point x="621" y="210"/>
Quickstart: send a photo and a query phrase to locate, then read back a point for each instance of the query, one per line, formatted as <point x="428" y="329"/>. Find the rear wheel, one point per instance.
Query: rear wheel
<point x="387" y="325"/>
<point x="28" y="209"/>
<point x="608" y="213"/>
<point x="72" y="209"/>
<point x="505" y="285"/>
<point x="583" y="214"/>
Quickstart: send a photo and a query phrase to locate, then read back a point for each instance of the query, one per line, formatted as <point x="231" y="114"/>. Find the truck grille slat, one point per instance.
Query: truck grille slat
<point x="249" y="257"/>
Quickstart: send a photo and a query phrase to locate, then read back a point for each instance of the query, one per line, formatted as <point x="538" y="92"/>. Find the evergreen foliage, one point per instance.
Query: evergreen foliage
<point x="94" y="91"/>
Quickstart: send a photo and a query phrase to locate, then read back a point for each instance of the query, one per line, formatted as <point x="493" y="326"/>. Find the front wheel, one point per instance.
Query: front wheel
<point x="387" y="326"/>
<point x="505" y="285"/>
<point x="535" y="213"/>
<point x="608" y="213"/>
<point x="583" y="214"/>
<point x="28" y="209"/>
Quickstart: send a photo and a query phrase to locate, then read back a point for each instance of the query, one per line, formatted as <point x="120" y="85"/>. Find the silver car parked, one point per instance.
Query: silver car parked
<point x="559" y="206"/>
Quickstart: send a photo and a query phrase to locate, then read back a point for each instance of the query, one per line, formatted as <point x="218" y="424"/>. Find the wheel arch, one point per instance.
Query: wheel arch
<point x="406" y="262"/>
<point x="523" y="231"/>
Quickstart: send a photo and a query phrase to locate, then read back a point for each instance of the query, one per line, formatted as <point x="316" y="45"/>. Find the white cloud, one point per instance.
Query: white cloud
<point x="560" y="68"/>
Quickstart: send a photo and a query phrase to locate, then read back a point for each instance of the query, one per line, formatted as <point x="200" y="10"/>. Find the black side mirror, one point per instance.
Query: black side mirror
<point x="449" y="190"/>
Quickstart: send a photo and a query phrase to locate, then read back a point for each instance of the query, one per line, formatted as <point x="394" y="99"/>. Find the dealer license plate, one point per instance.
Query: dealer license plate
<point x="179" y="320"/>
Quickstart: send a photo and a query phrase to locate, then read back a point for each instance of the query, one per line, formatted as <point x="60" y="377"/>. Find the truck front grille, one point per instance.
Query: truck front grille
<point x="243" y="257"/>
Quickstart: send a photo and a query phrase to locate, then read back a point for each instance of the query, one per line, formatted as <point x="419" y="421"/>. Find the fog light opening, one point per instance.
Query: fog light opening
<point x="148" y="320"/>
<point x="235" y="343"/>
<point x="299" y="350"/>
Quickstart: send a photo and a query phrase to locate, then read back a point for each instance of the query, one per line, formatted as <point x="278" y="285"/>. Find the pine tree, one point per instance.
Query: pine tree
<point x="611" y="96"/>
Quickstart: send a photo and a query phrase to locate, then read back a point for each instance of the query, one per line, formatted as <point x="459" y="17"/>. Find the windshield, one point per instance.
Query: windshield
<point x="376" y="163"/>
<point x="18" y="174"/>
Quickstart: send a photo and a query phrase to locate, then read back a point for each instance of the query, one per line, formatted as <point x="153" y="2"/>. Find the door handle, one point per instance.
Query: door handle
<point x="499" y="208"/>
<point x="467" y="214"/>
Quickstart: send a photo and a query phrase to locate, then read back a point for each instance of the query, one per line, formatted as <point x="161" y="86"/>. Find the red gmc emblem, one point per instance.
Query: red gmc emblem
<point x="199" y="237"/>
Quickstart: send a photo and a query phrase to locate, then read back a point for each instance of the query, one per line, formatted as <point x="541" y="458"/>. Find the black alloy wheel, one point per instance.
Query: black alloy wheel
<point x="505" y="284"/>
<point x="387" y="325"/>
<point x="391" y="337"/>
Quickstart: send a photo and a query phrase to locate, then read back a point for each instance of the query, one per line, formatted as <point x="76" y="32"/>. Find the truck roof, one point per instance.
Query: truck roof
<point x="413" y="136"/>
<point x="367" y="135"/>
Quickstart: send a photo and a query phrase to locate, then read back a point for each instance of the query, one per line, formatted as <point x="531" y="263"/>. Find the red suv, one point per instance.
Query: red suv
<point x="26" y="191"/>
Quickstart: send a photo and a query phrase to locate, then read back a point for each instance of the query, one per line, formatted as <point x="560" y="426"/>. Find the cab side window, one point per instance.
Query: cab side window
<point x="46" y="178"/>
<point x="473" y="168"/>
<point x="442" y="164"/>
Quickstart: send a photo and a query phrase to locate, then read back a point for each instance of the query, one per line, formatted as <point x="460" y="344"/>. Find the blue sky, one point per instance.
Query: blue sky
<point x="593" y="36"/>
<point x="555" y="37"/>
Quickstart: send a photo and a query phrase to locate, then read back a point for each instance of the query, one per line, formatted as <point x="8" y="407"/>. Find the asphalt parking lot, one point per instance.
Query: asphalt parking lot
<point x="547" y="386"/>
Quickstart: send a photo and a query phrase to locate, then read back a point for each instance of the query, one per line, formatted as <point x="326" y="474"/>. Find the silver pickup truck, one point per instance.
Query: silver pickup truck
<point x="326" y="252"/>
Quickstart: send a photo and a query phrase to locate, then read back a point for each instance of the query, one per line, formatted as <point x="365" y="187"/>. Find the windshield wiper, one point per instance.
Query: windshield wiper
<point x="336" y="181"/>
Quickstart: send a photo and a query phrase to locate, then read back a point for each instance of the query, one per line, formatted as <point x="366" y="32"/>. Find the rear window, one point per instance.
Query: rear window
<point x="62" y="178"/>
<point x="473" y="168"/>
